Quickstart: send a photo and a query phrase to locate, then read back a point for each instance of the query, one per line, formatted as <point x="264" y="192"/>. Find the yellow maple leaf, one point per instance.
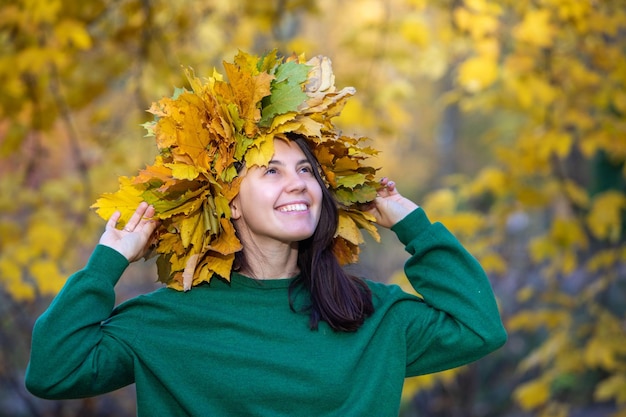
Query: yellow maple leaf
<point x="183" y="171"/>
<point x="177" y="203"/>
<point x="218" y="264"/>
<point x="227" y="243"/>
<point x="348" y="229"/>
<point x="261" y="152"/>
<point x="362" y="220"/>
<point x="192" y="137"/>
<point x="246" y="89"/>
<point x="346" y="164"/>
<point x="157" y="172"/>
<point x="346" y="252"/>
<point x="192" y="229"/>
<point x="125" y="200"/>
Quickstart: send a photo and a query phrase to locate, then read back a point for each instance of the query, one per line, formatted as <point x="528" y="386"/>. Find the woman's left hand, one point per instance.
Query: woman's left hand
<point x="133" y="241"/>
<point x="390" y="206"/>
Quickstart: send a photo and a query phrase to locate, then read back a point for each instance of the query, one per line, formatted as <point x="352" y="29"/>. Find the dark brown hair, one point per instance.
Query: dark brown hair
<point x="341" y="300"/>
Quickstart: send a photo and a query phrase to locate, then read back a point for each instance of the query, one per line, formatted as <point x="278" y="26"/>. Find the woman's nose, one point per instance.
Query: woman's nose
<point x="295" y="182"/>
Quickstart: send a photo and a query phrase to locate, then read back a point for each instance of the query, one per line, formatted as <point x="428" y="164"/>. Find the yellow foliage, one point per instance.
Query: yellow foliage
<point x="484" y="6"/>
<point x="463" y="224"/>
<point x="348" y="229"/>
<point x="607" y="344"/>
<point x="42" y="11"/>
<point x="11" y="279"/>
<point x="536" y="29"/>
<point x="39" y="236"/>
<point x="532" y="394"/>
<point x="568" y="234"/>
<point x="20" y="291"/>
<point x="47" y="275"/>
<point x="605" y="217"/>
<point x="577" y="194"/>
<point x="493" y="263"/>
<point x="525" y="294"/>
<point x="183" y="171"/>
<point x="10" y="270"/>
<point x="440" y="203"/>
<point x="612" y="388"/>
<point x="556" y="351"/>
<point x="605" y="260"/>
<point x="356" y="114"/>
<point x="125" y="201"/>
<point x="414" y="30"/>
<point x="533" y="320"/>
<point x="478" y="73"/>
<point x="476" y="20"/>
<point x="542" y="248"/>
<point x="489" y="180"/>
<point x="599" y="355"/>
<point x="559" y="247"/>
<point x="70" y="32"/>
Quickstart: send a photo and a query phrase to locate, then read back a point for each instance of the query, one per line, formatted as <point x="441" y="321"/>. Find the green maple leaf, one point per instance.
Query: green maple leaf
<point x="286" y="91"/>
<point x="358" y="195"/>
<point x="351" y="180"/>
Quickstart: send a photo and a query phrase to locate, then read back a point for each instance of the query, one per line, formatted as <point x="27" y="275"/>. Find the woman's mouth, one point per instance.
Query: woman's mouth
<point x="293" y="207"/>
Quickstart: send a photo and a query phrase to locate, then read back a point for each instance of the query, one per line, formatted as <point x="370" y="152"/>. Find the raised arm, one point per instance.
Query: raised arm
<point x="459" y="321"/>
<point x="72" y="356"/>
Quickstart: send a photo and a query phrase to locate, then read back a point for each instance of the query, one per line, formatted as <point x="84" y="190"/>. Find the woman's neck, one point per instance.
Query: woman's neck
<point x="271" y="262"/>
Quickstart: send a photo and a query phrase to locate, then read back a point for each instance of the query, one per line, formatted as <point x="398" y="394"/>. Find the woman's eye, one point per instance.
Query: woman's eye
<point x="270" y="171"/>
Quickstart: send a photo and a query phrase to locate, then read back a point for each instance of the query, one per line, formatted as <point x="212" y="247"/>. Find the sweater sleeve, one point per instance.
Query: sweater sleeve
<point x="72" y="356"/>
<point x="462" y="322"/>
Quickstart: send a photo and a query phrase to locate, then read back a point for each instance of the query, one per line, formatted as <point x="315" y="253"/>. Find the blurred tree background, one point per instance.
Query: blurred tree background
<point x="504" y="119"/>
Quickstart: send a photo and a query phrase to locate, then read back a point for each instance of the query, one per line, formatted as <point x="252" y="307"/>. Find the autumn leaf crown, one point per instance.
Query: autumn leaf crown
<point x="205" y="133"/>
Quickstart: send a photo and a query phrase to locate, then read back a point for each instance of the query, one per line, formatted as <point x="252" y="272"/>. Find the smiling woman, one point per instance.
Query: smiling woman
<point x="273" y="326"/>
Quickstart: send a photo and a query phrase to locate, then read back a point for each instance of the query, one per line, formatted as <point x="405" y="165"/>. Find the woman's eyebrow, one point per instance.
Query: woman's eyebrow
<point x="279" y="162"/>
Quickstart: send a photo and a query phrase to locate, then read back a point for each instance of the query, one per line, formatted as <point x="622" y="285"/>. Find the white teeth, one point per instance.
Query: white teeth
<point x="294" y="207"/>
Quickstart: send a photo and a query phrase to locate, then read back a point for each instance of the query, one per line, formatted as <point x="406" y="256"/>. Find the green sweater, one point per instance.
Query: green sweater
<point x="239" y="350"/>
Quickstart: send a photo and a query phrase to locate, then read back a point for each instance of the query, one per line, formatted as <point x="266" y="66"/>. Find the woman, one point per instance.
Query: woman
<point x="289" y="333"/>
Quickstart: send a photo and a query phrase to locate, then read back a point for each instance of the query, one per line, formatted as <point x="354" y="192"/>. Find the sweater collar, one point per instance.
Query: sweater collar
<point x="238" y="279"/>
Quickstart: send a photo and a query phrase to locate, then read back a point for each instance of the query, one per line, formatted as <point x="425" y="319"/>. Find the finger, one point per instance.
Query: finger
<point x="112" y="222"/>
<point x="150" y="212"/>
<point x="387" y="187"/>
<point x="147" y="222"/>
<point x="136" y="217"/>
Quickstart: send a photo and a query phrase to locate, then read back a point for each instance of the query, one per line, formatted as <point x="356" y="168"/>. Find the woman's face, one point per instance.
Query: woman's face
<point x="280" y="202"/>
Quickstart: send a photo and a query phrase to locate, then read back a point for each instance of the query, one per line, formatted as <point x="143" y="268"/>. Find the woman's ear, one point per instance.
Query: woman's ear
<point x="235" y="212"/>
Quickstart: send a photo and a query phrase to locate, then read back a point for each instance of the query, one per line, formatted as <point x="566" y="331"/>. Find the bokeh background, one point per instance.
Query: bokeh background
<point x="504" y="119"/>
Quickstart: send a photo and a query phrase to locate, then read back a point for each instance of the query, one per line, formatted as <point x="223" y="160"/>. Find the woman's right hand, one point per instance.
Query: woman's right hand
<point x="135" y="238"/>
<point x="390" y="206"/>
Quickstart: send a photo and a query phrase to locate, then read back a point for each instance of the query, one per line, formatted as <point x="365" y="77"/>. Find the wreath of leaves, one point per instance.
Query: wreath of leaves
<point x="202" y="135"/>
